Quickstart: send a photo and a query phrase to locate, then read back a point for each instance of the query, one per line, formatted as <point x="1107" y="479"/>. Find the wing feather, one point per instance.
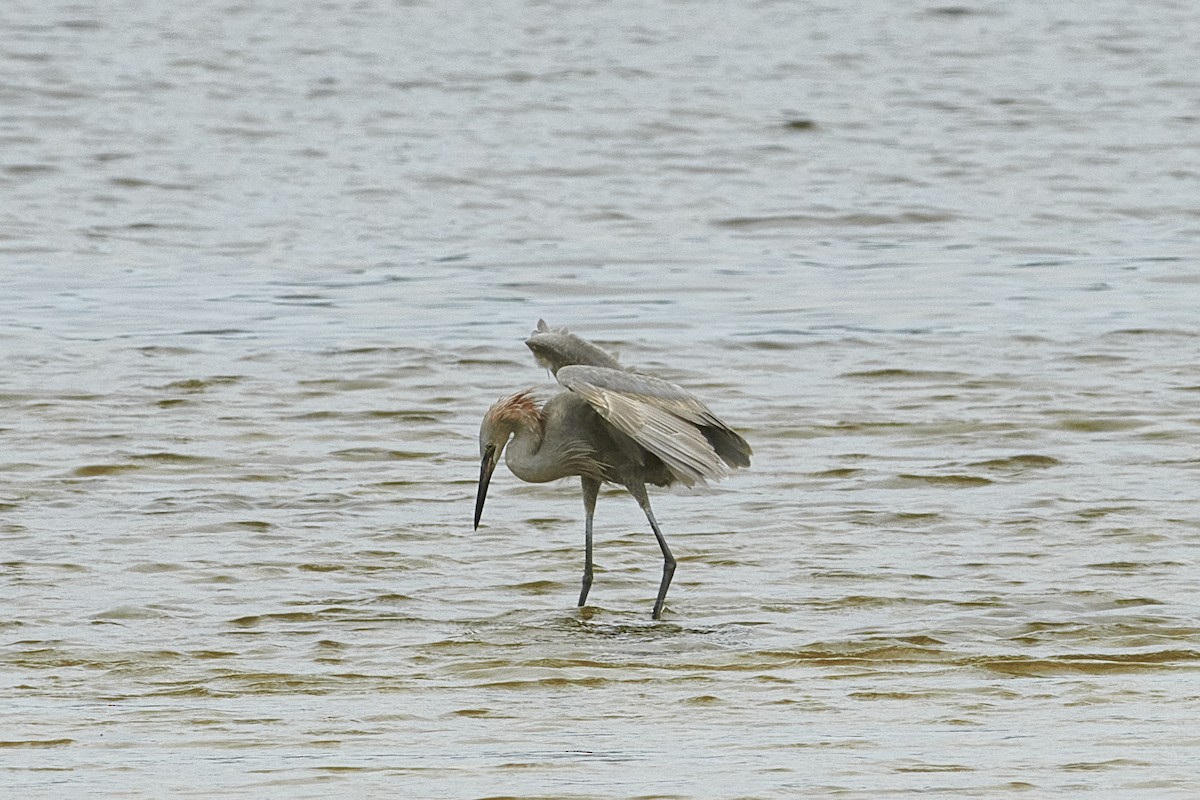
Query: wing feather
<point x="661" y="417"/>
<point x="555" y="348"/>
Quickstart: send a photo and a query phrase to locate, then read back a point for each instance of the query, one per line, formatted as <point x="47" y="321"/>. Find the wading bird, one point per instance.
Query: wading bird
<point x="611" y="425"/>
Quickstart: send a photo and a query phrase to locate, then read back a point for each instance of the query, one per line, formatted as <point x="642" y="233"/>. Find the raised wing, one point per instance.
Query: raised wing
<point x="663" y="418"/>
<point x="558" y="347"/>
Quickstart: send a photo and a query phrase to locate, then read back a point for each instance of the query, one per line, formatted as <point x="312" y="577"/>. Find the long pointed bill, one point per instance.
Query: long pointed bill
<point x="485" y="476"/>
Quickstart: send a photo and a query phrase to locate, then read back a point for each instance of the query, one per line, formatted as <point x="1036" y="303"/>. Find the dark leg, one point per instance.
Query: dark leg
<point x="639" y="493"/>
<point x="591" y="488"/>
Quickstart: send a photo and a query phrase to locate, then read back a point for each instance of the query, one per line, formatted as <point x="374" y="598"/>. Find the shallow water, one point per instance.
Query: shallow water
<point x="264" y="267"/>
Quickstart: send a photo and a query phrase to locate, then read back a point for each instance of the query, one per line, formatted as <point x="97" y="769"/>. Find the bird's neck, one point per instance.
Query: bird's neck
<point x="529" y="460"/>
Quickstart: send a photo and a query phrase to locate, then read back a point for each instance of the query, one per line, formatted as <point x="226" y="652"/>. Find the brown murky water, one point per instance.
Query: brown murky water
<point x="264" y="267"/>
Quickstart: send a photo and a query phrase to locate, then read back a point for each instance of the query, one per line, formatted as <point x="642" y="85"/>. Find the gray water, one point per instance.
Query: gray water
<point x="264" y="266"/>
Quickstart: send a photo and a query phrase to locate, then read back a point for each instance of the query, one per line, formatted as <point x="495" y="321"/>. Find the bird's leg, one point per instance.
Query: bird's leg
<point x="591" y="487"/>
<point x="668" y="564"/>
<point x="639" y="494"/>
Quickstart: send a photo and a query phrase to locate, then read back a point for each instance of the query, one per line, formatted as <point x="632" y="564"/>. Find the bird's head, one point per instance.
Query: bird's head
<point x="502" y="420"/>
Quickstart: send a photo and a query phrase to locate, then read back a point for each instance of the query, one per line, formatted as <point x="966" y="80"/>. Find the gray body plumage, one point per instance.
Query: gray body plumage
<point x="611" y="425"/>
<point x="576" y="440"/>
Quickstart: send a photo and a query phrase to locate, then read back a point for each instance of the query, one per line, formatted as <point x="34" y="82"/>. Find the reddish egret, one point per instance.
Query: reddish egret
<point x="611" y="425"/>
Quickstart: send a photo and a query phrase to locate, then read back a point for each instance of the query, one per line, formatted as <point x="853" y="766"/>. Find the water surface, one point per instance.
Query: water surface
<point x="263" y="267"/>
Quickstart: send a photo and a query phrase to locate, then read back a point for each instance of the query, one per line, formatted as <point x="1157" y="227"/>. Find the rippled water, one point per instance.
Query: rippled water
<point x="263" y="267"/>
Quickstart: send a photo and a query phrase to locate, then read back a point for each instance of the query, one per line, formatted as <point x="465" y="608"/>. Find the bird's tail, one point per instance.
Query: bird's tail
<point x="732" y="449"/>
